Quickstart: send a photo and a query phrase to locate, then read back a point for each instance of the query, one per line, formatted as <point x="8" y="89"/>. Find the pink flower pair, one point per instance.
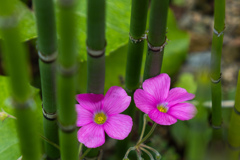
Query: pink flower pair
<point x="97" y="114"/>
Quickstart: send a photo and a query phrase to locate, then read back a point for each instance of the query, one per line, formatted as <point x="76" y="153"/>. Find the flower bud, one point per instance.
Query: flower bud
<point x="3" y="116"/>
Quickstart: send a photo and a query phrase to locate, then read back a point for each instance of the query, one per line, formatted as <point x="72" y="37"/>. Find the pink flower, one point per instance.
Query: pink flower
<point x="162" y="105"/>
<point x="96" y="114"/>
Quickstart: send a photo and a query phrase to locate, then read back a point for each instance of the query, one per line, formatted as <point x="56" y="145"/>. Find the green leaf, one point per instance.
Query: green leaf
<point x="8" y="135"/>
<point x="117" y="25"/>
<point x="186" y="81"/>
<point x="27" y="26"/>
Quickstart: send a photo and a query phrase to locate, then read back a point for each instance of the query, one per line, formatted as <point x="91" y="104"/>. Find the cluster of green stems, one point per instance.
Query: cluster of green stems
<point x="140" y="146"/>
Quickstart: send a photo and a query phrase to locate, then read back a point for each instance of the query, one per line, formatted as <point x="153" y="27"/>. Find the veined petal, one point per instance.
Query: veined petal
<point x="178" y="95"/>
<point x="90" y="101"/>
<point x="91" y="135"/>
<point x="83" y="116"/>
<point x="158" y="86"/>
<point x="144" y="101"/>
<point x="183" y="111"/>
<point x="116" y="101"/>
<point x="118" y="126"/>
<point x="161" y="118"/>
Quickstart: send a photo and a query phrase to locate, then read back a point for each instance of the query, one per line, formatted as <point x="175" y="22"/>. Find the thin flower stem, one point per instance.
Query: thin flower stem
<point x="144" y="126"/>
<point x="50" y="142"/>
<point x="148" y="153"/>
<point x="85" y="153"/>
<point x="128" y="151"/>
<point x="148" y="135"/>
<point x="80" y="148"/>
<point x="150" y="148"/>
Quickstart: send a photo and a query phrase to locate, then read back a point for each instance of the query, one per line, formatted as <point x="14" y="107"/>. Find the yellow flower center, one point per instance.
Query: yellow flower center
<point x="100" y="118"/>
<point x="162" y="108"/>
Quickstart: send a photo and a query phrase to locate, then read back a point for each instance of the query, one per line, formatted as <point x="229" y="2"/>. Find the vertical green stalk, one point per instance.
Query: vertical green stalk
<point x="234" y="132"/>
<point x="96" y="44"/>
<point x="156" y="38"/>
<point x="16" y="63"/>
<point x="219" y="25"/>
<point x="47" y="47"/>
<point x="66" y="80"/>
<point x="134" y="58"/>
<point x="156" y="41"/>
<point x="136" y="44"/>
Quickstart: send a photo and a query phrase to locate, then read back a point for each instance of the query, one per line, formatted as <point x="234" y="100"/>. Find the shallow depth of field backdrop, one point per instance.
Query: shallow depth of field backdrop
<point x="187" y="60"/>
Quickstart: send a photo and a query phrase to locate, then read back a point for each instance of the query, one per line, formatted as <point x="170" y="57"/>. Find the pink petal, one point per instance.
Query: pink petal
<point x="158" y="86"/>
<point x="116" y="101"/>
<point x="90" y="101"/>
<point x="144" y="101"/>
<point x="83" y="116"/>
<point x="91" y="135"/>
<point x="161" y="118"/>
<point x="183" y="111"/>
<point x="118" y="126"/>
<point x="178" y="95"/>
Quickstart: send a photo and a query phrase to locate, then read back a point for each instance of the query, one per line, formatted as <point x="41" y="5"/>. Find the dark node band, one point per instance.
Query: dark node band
<point x="216" y="127"/>
<point x="96" y="53"/>
<point x="49" y="116"/>
<point x="67" y="129"/>
<point x="133" y="40"/>
<point x="157" y="48"/>
<point x="27" y="104"/>
<point x="67" y="71"/>
<point x="216" y="81"/>
<point x="218" y="33"/>
<point x="8" y="21"/>
<point x="48" y="58"/>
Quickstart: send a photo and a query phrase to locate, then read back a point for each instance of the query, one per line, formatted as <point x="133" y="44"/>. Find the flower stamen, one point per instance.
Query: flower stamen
<point x="100" y="118"/>
<point x="162" y="108"/>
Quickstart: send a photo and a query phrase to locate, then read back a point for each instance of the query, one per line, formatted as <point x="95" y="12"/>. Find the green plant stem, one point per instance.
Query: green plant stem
<point x="85" y="153"/>
<point x="47" y="46"/>
<point x="15" y="58"/>
<point x="148" y="135"/>
<point x="134" y="58"/>
<point x="96" y="44"/>
<point x="135" y="49"/>
<point x="143" y="129"/>
<point x="157" y="38"/>
<point x="66" y="80"/>
<point x="148" y="153"/>
<point x="219" y="25"/>
<point x="233" y="132"/>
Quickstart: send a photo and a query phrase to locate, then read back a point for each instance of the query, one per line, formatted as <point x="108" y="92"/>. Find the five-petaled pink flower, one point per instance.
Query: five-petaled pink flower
<point x="96" y="114"/>
<point x="162" y="105"/>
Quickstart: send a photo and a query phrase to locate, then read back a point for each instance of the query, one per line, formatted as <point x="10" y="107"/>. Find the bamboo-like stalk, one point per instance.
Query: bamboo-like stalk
<point x="156" y="41"/>
<point x="134" y="58"/>
<point x="96" y="44"/>
<point x="156" y="38"/>
<point x="16" y="63"/>
<point x="47" y="47"/>
<point x="136" y="44"/>
<point x="66" y="80"/>
<point x="219" y="25"/>
<point x="233" y="132"/>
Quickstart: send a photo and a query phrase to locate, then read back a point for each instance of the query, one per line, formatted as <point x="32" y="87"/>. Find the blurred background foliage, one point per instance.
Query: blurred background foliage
<point x="186" y="54"/>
